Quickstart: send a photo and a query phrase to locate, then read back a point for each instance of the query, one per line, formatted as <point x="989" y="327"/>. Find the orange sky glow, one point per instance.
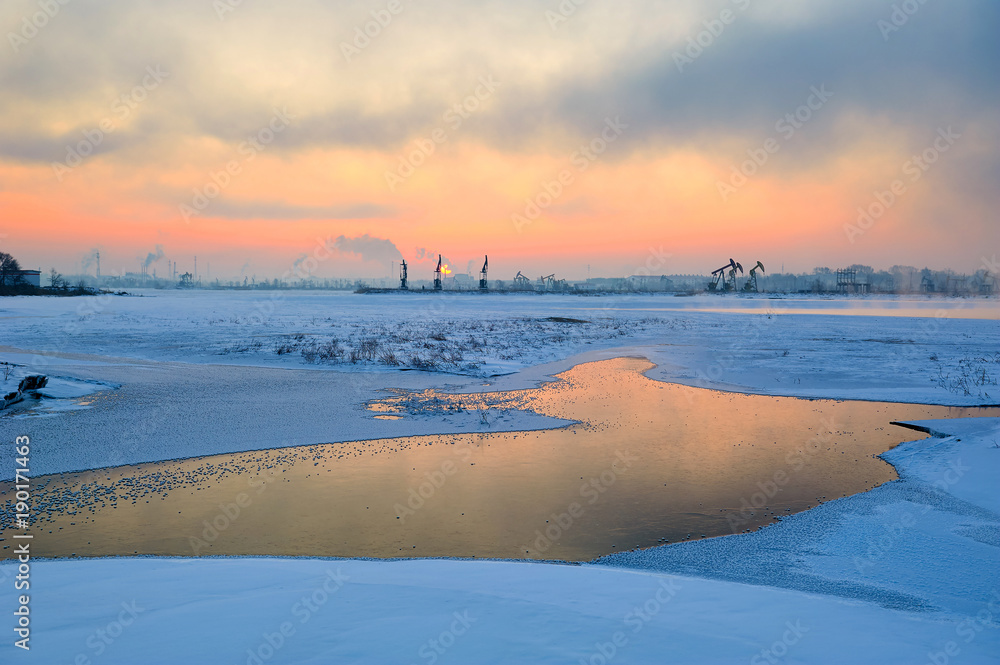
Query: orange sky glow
<point x="257" y="144"/>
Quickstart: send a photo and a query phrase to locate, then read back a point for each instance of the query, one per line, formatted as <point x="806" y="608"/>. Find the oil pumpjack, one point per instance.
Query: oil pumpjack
<point x="751" y="285"/>
<point x="437" y="275"/>
<point x="402" y="276"/>
<point x="483" y="284"/>
<point x="731" y="279"/>
<point x="728" y="282"/>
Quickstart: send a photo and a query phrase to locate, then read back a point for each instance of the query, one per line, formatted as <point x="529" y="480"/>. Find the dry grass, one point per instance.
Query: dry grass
<point x="429" y="344"/>
<point x="972" y="376"/>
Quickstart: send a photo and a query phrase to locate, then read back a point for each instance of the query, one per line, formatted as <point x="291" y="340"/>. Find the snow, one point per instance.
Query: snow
<point x="427" y="611"/>
<point x="56" y="393"/>
<point x="853" y="580"/>
<point x="819" y="347"/>
<point x="164" y="411"/>
<point x="924" y="543"/>
<point x="179" y="395"/>
<point x="965" y="470"/>
<point x="904" y="573"/>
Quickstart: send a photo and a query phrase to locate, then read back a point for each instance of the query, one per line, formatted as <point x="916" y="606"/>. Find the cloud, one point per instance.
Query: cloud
<point x="275" y="210"/>
<point x="368" y="248"/>
<point x="933" y="71"/>
<point x="940" y="63"/>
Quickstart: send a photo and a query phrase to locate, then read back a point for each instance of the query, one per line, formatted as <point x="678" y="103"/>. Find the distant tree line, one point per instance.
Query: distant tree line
<point x="12" y="282"/>
<point x="10" y="270"/>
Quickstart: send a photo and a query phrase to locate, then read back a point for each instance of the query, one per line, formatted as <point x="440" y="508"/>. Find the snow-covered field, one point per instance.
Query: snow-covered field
<point x="901" y="574"/>
<point x="906" y="349"/>
<point x="903" y="578"/>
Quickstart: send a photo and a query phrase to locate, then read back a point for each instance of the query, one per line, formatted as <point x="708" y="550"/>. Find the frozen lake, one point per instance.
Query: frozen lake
<point x="647" y="462"/>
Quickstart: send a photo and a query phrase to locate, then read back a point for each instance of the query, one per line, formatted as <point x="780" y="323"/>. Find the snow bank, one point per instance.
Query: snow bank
<point x="897" y="348"/>
<point x="926" y="543"/>
<point x="163" y="411"/>
<point x="325" y="611"/>
<point x="37" y="394"/>
<point x="902" y="574"/>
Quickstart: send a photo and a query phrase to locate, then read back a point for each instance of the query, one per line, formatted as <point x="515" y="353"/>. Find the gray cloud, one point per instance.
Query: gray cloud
<point x="939" y="67"/>
<point x="276" y="210"/>
<point x="369" y="248"/>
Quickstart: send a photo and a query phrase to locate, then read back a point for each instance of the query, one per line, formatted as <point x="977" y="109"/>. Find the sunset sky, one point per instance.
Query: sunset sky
<point x="552" y="136"/>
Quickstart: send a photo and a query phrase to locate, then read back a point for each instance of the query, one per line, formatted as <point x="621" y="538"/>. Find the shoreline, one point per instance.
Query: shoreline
<point x="807" y="535"/>
<point x="901" y="611"/>
<point x="801" y="448"/>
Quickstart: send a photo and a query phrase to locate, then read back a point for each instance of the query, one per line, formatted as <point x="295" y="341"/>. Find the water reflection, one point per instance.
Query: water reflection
<point x="647" y="462"/>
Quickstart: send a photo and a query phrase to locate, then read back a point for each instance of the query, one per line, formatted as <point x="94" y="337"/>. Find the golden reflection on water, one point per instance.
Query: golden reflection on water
<point x="647" y="462"/>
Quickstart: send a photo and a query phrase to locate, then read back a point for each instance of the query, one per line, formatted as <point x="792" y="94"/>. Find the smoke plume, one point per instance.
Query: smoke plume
<point x="368" y="248"/>
<point x="152" y="258"/>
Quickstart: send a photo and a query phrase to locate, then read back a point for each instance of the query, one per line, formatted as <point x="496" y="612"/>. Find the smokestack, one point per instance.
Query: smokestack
<point x="196" y="268"/>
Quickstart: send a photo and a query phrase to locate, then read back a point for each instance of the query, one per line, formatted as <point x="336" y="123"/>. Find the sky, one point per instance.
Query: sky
<point x="581" y="137"/>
